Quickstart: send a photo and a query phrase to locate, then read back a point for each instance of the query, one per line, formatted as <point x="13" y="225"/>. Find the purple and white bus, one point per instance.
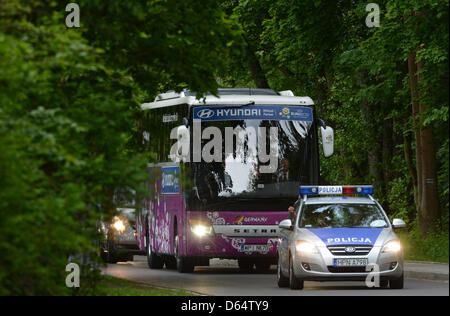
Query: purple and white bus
<point x="229" y="166"/>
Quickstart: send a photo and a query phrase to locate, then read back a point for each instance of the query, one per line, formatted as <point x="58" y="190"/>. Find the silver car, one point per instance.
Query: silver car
<point x="339" y="238"/>
<point x="120" y="237"/>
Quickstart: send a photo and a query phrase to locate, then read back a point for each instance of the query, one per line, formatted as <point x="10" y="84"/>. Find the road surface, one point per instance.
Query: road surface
<point x="224" y="278"/>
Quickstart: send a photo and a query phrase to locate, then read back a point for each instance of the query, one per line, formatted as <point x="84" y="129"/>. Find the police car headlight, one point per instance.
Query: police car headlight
<point x="200" y="228"/>
<point x="305" y="247"/>
<point x="392" y="246"/>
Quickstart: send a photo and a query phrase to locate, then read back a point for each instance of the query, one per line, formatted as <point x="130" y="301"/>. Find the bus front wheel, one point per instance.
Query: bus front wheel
<point x="154" y="261"/>
<point x="184" y="264"/>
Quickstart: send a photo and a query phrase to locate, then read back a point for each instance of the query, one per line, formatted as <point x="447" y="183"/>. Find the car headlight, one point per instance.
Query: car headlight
<point x="392" y="246"/>
<point x="201" y="228"/>
<point x="119" y="225"/>
<point x="305" y="247"/>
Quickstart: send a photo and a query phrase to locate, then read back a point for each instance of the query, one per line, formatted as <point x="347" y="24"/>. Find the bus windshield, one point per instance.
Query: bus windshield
<point x="244" y="173"/>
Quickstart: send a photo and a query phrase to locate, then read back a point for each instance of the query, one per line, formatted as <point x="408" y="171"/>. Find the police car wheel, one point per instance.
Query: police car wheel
<point x="154" y="261"/>
<point x="397" y="284"/>
<point x="294" y="282"/>
<point x="281" y="279"/>
<point x="384" y="284"/>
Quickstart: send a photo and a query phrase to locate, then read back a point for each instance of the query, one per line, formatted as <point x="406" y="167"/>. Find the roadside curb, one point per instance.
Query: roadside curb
<point x="167" y="288"/>
<point x="154" y="286"/>
<point x="426" y="270"/>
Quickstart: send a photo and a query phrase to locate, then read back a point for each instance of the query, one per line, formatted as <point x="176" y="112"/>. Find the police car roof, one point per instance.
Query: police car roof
<point x="339" y="199"/>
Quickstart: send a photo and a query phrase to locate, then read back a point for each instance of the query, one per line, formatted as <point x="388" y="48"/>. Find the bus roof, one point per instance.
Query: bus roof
<point x="228" y="97"/>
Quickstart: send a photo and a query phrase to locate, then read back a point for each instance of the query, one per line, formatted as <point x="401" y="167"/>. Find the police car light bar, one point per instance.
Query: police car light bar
<point x="335" y="189"/>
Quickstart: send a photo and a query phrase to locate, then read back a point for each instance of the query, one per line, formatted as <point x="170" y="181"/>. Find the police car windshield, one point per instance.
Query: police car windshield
<point x="342" y="215"/>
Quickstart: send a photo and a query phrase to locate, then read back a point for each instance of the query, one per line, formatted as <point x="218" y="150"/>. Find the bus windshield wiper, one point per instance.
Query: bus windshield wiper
<point x="240" y="105"/>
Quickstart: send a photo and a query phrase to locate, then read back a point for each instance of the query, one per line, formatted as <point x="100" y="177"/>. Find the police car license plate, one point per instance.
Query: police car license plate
<point x="255" y="248"/>
<point x="351" y="262"/>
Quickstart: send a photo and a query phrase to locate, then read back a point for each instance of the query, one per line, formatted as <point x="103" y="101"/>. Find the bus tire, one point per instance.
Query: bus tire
<point x="171" y="262"/>
<point x="154" y="261"/>
<point x="184" y="264"/>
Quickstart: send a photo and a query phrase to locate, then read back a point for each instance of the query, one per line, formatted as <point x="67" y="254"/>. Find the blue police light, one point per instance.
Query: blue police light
<point x="308" y="190"/>
<point x="364" y="189"/>
<point x="335" y="189"/>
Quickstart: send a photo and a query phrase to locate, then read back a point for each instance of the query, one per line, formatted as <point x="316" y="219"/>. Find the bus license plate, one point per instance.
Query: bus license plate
<point x="351" y="262"/>
<point x="255" y="248"/>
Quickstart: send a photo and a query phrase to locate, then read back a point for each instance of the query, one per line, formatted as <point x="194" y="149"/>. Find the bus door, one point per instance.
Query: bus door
<point x="171" y="208"/>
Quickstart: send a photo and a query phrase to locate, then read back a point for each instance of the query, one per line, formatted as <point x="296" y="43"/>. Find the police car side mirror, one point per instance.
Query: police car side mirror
<point x="398" y="223"/>
<point x="327" y="140"/>
<point x="285" y="224"/>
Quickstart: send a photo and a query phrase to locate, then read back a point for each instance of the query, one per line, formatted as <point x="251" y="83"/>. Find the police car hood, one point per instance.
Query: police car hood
<point x="346" y="236"/>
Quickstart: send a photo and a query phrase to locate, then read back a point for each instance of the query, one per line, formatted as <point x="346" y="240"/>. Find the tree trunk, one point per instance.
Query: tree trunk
<point x="409" y="163"/>
<point x="388" y="146"/>
<point x="258" y="75"/>
<point x="372" y="137"/>
<point x="427" y="195"/>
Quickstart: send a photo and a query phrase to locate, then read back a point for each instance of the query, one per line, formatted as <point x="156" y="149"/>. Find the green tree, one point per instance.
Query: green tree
<point x="69" y="108"/>
<point x="361" y="83"/>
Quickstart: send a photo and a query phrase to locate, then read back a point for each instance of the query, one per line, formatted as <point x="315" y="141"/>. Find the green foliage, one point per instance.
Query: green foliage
<point x="399" y="199"/>
<point x="64" y="122"/>
<point x="358" y="77"/>
<point x="434" y="247"/>
<point x="69" y="107"/>
<point x="163" y="43"/>
<point x="111" y="286"/>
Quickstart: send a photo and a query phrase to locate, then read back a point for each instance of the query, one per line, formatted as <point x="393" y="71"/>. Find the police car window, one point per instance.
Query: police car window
<point x="342" y="215"/>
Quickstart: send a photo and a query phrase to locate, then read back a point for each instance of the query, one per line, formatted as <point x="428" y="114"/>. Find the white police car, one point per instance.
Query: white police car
<point x="339" y="238"/>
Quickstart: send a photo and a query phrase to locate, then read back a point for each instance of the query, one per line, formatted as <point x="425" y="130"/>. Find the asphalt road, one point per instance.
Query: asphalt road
<point x="224" y="278"/>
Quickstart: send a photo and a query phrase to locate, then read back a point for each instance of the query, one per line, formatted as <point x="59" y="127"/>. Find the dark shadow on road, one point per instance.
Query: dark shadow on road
<point x="230" y="270"/>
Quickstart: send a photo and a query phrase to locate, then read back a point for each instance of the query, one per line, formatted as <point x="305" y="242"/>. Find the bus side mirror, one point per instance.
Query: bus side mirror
<point x="183" y="141"/>
<point x="327" y="141"/>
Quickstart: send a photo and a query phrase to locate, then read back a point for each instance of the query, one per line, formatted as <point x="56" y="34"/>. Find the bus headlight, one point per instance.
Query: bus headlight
<point x="119" y="225"/>
<point x="305" y="247"/>
<point x="201" y="228"/>
<point x="392" y="246"/>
